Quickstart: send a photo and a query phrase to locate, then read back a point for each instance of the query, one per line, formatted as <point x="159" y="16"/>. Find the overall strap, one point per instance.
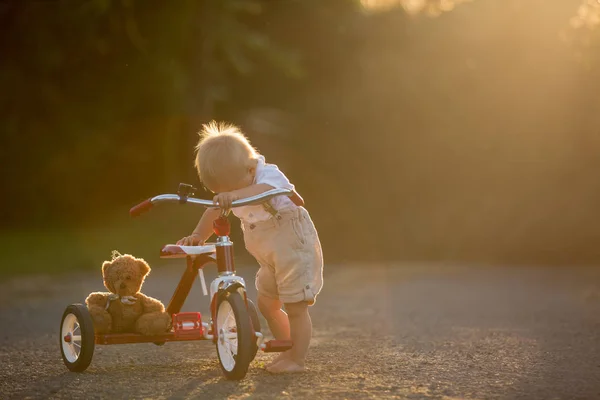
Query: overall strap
<point x="295" y="198"/>
<point x="269" y="208"/>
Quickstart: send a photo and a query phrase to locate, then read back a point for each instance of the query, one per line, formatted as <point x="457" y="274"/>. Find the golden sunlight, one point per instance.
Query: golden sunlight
<point x="379" y="5"/>
<point x="588" y="15"/>
<point x="413" y="7"/>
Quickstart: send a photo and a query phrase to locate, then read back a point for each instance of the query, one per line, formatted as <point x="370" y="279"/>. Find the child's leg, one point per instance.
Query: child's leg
<point x="278" y="321"/>
<point x="300" y="330"/>
<point x="301" y="333"/>
<point x="276" y="318"/>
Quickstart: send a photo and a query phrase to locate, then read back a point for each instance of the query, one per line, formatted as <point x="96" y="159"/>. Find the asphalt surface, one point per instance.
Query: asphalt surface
<point x="380" y="331"/>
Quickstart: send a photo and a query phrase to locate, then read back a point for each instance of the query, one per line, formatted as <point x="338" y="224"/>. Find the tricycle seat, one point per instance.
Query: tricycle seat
<point x="175" y="251"/>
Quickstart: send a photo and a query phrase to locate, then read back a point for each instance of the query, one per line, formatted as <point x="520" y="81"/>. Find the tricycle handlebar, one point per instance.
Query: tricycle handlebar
<point x="141" y="208"/>
<point x="146" y="205"/>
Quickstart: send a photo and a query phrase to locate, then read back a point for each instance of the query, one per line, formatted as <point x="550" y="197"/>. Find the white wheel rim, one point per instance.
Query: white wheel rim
<point x="227" y="341"/>
<point x="71" y="338"/>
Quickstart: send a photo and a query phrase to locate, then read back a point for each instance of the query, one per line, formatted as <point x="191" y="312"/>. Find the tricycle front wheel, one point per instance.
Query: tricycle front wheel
<point x="77" y="338"/>
<point x="235" y="339"/>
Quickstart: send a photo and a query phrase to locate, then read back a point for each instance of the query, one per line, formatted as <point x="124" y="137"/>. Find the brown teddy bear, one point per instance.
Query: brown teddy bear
<point x="125" y="309"/>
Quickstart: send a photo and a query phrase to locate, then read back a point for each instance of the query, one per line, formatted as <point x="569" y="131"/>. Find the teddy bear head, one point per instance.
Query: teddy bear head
<point x="124" y="274"/>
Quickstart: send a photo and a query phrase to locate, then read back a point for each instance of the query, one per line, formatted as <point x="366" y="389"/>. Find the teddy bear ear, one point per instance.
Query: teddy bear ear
<point x="144" y="267"/>
<point x="105" y="266"/>
<point x="107" y="282"/>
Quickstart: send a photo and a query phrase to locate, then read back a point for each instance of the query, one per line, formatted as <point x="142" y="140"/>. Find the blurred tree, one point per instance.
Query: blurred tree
<point x="582" y="34"/>
<point x="441" y="120"/>
<point x="99" y="93"/>
<point x="588" y="15"/>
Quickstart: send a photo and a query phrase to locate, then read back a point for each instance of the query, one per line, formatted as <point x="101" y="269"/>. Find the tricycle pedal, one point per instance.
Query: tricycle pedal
<point x="187" y="325"/>
<point x="276" y="346"/>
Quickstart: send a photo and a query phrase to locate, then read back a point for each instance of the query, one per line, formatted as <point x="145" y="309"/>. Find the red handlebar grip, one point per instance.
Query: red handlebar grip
<point x="141" y="208"/>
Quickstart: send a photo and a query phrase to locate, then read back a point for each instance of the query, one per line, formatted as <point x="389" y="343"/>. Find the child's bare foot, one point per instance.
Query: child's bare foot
<point x="282" y="356"/>
<point x="285" y="366"/>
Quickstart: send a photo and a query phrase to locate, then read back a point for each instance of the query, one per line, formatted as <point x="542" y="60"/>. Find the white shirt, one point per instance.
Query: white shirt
<point x="271" y="175"/>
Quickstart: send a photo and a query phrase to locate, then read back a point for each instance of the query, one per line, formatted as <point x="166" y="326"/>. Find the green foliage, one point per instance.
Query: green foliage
<point x="98" y="86"/>
<point x="455" y="127"/>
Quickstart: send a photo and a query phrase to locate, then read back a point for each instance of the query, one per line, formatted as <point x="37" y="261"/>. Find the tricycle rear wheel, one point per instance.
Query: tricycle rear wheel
<point x="77" y="339"/>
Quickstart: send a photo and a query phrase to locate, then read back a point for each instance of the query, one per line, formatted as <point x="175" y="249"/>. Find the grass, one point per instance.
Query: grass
<point x="85" y="247"/>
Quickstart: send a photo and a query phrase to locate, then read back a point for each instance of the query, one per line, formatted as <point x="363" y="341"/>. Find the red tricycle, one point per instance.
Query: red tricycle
<point x="234" y="326"/>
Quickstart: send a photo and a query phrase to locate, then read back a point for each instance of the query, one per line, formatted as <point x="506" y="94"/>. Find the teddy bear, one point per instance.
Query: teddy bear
<point x="124" y="309"/>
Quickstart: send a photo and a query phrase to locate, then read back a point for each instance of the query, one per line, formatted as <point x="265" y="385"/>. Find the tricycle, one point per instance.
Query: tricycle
<point x="234" y="326"/>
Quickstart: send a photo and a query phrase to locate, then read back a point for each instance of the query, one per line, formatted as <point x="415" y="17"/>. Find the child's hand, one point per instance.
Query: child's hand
<point x="224" y="200"/>
<point x="192" y="240"/>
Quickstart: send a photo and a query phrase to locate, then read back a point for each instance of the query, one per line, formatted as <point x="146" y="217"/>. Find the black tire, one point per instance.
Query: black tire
<point x="255" y="324"/>
<point x="234" y="366"/>
<point x="77" y="322"/>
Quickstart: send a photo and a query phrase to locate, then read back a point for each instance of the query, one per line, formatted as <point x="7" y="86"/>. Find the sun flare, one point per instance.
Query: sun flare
<point x="413" y="7"/>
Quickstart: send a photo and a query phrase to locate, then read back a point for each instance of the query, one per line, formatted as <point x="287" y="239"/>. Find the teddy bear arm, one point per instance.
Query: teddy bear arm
<point x="97" y="299"/>
<point x="150" y="304"/>
<point x="96" y="303"/>
<point x="154" y="319"/>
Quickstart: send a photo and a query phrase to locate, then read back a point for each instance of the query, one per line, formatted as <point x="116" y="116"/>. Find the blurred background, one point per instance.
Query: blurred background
<point x="436" y="130"/>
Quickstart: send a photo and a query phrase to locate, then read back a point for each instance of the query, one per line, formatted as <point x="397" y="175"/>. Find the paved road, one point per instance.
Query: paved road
<point x="381" y="331"/>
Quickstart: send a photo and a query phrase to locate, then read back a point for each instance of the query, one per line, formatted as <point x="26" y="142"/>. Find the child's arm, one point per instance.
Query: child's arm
<point x="225" y="199"/>
<point x="203" y="230"/>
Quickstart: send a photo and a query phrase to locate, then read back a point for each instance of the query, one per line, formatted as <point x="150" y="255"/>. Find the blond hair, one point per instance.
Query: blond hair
<point x="223" y="154"/>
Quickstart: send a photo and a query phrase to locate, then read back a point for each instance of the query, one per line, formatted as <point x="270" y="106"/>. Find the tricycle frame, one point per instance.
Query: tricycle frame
<point x="228" y="289"/>
<point x="226" y="281"/>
